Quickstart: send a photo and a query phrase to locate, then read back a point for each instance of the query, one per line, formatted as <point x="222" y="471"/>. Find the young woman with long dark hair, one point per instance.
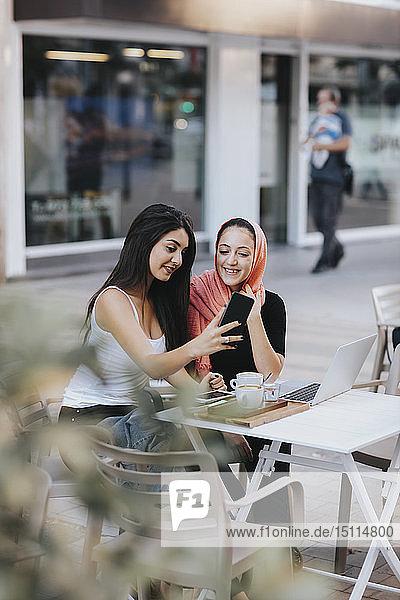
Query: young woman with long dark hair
<point x="137" y="320"/>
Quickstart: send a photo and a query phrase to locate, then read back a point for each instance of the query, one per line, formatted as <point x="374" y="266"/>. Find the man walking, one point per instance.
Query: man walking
<point x="330" y="133"/>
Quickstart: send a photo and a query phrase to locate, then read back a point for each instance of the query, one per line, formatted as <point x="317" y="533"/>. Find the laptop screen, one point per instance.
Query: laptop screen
<point x="344" y="368"/>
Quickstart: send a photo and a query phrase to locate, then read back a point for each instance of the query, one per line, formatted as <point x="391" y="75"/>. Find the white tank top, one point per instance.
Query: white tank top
<point x="122" y="377"/>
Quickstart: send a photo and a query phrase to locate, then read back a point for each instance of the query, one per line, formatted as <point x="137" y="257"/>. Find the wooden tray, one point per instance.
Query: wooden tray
<point x="231" y="412"/>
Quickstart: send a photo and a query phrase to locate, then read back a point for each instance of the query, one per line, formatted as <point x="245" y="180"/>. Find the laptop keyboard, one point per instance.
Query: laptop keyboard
<point x="304" y="394"/>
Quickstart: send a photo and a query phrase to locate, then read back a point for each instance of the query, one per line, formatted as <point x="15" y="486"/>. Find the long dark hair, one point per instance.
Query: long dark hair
<point x="170" y="299"/>
<point x="236" y="222"/>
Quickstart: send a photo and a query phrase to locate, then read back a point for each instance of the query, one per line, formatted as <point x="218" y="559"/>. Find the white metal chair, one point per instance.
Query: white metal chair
<point x="25" y="511"/>
<point x="377" y="456"/>
<point x="138" y="502"/>
<point x="30" y="415"/>
<point x="386" y="299"/>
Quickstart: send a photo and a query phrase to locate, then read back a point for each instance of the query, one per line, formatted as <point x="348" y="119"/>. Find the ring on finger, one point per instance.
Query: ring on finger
<point x="226" y="339"/>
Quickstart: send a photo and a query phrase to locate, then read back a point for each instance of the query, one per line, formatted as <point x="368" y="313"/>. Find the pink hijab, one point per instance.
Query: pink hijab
<point x="208" y="293"/>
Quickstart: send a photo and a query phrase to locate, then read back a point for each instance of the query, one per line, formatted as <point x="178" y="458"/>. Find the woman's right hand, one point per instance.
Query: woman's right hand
<point x="214" y="338"/>
<point x="212" y="382"/>
<point x="256" y="308"/>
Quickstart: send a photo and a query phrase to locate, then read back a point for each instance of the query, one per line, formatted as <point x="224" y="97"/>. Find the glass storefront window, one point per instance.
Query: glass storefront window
<point x="275" y="103"/>
<point x="370" y="90"/>
<point x="110" y="127"/>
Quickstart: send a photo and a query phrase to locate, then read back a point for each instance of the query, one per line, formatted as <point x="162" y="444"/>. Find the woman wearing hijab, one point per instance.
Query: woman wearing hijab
<point x="240" y="262"/>
<point x="239" y="266"/>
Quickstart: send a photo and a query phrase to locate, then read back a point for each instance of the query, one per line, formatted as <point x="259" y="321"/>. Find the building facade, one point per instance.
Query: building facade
<point x="110" y="107"/>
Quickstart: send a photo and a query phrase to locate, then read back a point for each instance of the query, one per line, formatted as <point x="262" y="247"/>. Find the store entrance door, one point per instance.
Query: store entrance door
<point x="276" y="72"/>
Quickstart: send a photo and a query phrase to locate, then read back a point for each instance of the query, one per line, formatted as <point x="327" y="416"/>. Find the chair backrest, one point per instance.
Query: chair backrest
<point x="134" y="481"/>
<point x="28" y="414"/>
<point x="386" y="300"/>
<point x="31" y="412"/>
<point x="393" y="380"/>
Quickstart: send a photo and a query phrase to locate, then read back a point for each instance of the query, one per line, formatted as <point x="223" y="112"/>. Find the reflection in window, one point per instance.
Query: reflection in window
<point x="110" y="127"/>
<point x="371" y="98"/>
<point x="275" y="102"/>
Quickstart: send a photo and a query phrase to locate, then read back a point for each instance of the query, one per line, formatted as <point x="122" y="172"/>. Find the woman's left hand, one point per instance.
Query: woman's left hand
<point x="256" y="309"/>
<point x="212" y="381"/>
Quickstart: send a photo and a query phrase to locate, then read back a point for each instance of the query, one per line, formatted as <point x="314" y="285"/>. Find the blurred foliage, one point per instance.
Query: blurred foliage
<point x="39" y="343"/>
<point x="40" y="348"/>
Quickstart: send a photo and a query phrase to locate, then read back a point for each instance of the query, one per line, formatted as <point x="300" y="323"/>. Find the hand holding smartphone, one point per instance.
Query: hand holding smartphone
<point x="238" y="309"/>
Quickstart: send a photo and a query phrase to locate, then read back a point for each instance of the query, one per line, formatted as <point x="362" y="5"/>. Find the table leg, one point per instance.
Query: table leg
<point x="394" y="466"/>
<point x="368" y="510"/>
<point x="386" y="517"/>
<point x="343" y="517"/>
<point x="264" y="467"/>
<point x="195" y="438"/>
<point x="365" y="572"/>
<point x="198" y="444"/>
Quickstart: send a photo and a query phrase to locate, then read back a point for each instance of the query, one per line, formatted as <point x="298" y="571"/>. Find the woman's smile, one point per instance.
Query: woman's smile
<point x="231" y="271"/>
<point x="167" y="254"/>
<point x="169" y="268"/>
<point x="235" y="255"/>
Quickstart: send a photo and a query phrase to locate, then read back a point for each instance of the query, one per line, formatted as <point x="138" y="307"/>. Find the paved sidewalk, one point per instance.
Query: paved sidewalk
<point x="324" y="311"/>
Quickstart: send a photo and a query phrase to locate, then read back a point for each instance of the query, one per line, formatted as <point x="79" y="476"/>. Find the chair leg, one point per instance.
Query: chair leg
<point x="243" y="476"/>
<point x="143" y="587"/>
<point x="113" y="587"/>
<point x="122" y="593"/>
<point x="94" y="526"/>
<point x="273" y="576"/>
<point x="343" y="517"/>
<point x="223" y="591"/>
<point x="379" y="355"/>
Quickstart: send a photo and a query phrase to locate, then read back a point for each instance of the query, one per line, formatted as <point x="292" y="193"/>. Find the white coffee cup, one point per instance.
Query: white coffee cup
<point x="249" y="396"/>
<point x="247" y="378"/>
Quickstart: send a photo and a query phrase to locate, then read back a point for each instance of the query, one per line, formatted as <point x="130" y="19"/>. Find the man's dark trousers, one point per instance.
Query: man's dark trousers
<point x="325" y="204"/>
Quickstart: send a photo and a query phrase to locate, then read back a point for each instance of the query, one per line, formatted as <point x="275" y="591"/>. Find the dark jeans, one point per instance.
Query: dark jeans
<point x="325" y="205"/>
<point x="93" y="414"/>
<point x="78" y="417"/>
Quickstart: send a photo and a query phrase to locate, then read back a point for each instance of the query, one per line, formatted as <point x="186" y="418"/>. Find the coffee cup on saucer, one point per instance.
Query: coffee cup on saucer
<point x="247" y="378"/>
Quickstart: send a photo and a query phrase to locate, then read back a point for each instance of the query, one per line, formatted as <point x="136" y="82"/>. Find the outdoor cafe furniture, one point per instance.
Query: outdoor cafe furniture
<point x="377" y="456"/>
<point x="386" y="299"/>
<point x="28" y="514"/>
<point x="344" y="424"/>
<point x="139" y="499"/>
<point x="29" y="417"/>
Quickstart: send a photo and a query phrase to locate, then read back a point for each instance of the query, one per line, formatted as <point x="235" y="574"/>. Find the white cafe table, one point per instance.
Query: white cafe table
<point x="344" y="424"/>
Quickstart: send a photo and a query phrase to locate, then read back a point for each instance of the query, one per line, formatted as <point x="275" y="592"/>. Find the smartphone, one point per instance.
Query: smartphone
<point x="238" y="309"/>
<point x="213" y="396"/>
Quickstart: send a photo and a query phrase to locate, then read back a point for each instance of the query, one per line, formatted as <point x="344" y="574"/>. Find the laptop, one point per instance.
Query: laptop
<point x="340" y="376"/>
